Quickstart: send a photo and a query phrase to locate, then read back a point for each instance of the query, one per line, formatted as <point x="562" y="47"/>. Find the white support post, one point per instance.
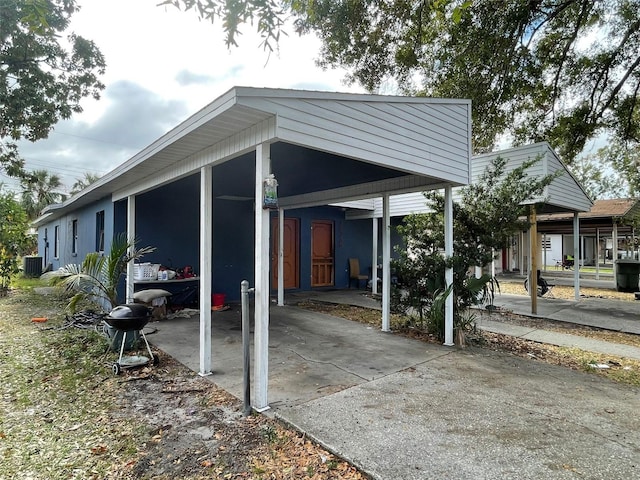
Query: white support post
<point x="597" y="254"/>
<point x="614" y="247"/>
<point x="206" y="267"/>
<point x="374" y="256"/>
<point x="280" y="254"/>
<point x="448" y="273"/>
<point x="261" y="336"/>
<point x="131" y="235"/>
<point x="521" y="253"/>
<point x="576" y="256"/>
<point x="386" y="269"/>
<point x="493" y="261"/>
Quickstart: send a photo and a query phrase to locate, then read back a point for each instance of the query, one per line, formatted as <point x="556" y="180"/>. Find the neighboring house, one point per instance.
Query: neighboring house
<point x="197" y="193"/>
<point x="608" y="232"/>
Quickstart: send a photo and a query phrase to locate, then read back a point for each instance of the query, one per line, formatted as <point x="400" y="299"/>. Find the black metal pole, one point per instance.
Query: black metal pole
<point x="246" y="344"/>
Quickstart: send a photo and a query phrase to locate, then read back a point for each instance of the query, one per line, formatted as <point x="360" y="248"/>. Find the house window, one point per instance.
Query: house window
<point x="100" y="231"/>
<point x="56" y="242"/>
<point x="74" y="237"/>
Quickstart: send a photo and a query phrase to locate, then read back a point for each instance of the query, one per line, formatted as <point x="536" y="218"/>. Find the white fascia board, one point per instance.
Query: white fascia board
<point x="229" y="148"/>
<point x="407" y="184"/>
<point x="248" y="92"/>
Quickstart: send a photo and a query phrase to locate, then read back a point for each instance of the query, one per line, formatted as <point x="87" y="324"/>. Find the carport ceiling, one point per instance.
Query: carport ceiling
<point x="299" y="170"/>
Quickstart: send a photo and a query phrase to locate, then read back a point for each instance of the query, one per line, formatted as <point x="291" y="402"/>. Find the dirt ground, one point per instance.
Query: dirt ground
<point x="196" y="430"/>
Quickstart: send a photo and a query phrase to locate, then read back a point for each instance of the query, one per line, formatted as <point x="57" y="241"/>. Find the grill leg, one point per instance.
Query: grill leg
<point x="124" y="340"/>
<point x="147" y="344"/>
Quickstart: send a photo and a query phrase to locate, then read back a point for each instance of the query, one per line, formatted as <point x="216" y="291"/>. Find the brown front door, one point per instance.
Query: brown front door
<point x="291" y="254"/>
<point x="322" y="254"/>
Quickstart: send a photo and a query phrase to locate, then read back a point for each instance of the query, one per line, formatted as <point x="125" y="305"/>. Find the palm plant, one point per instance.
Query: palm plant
<point x="82" y="183"/>
<point x="98" y="277"/>
<point x="39" y="189"/>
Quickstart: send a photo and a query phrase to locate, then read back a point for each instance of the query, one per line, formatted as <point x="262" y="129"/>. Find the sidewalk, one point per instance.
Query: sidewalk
<point x="615" y="315"/>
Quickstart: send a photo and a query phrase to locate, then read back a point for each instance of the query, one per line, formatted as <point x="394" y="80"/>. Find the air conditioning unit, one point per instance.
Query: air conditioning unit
<point x="32" y="266"/>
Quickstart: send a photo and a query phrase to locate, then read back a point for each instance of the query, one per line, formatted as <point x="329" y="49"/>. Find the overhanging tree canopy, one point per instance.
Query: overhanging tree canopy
<point x="44" y="72"/>
<point x="562" y="71"/>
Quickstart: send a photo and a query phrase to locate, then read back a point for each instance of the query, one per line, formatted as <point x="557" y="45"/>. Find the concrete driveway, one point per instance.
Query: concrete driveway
<point x="401" y="409"/>
<point x="310" y="354"/>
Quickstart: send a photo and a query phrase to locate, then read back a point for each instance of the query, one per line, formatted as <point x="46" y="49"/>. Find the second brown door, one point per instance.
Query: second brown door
<point x="322" y="259"/>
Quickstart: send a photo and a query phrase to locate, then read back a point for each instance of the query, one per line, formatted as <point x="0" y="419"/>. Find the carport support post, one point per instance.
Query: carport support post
<point x="131" y="234"/>
<point x="386" y="259"/>
<point x="374" y="256"/>
<point x="448" y="273"/>
<point x="206" y="252"/>
<point x="261" y="335"/>
<point x="576" y="255"/>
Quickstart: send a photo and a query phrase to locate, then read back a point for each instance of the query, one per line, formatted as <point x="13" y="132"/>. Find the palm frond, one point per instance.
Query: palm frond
<point x="98" y="276"/>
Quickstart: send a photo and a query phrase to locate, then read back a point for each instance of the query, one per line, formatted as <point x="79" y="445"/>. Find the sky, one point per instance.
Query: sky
<point x="162" y="66"/>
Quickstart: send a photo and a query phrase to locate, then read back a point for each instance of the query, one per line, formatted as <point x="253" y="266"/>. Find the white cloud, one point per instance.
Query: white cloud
<point x="162" y="66"/>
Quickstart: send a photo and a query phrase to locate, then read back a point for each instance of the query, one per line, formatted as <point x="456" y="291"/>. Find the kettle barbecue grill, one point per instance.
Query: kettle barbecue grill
<point x="127" y="319"/>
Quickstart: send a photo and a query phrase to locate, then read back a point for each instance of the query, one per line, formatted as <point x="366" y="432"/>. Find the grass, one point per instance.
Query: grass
<point x="27" y="283"/>
<point x="549" y="269"/>
<point x="57" y="395"/>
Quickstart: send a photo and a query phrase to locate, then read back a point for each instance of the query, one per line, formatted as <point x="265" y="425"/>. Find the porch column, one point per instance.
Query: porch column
<point x="576" y="256"/>
<point x="448" y="273"/>
<point x="280" y="254"/>
<point x="261" y="335"/>
<point x="614" y="254"/>
<point x="131" y="235"/>
<point x="386" y="259"/>
<point x="374" y="256"/>
<point x="597" y="254"/>
<point x="521" y="253"/>
<point x="533" y="260"/>
<point x="206" y="267"/>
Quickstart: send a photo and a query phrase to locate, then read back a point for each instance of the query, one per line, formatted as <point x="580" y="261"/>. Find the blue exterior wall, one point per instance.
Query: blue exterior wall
<point x="168" y="219"/>
<point x="233" y="245"/>
<point x="86" y="241"/>
<point x="352" y="238"/>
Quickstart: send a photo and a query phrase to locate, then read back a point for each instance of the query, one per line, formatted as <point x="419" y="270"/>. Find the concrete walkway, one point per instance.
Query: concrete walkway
<point x="612" y="315"/>
<point x="402" y="409"/>
<point x="615" y="315"/>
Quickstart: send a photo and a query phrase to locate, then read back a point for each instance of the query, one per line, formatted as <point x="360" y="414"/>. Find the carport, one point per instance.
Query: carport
<point x="563" y="195"/>
<point x="322" y="148"/>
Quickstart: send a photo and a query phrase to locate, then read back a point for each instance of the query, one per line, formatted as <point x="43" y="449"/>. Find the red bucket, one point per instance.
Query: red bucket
<point x="217" y="299"/>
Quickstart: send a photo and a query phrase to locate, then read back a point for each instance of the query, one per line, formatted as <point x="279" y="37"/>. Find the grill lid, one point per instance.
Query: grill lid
<point x="130" y="311"/>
